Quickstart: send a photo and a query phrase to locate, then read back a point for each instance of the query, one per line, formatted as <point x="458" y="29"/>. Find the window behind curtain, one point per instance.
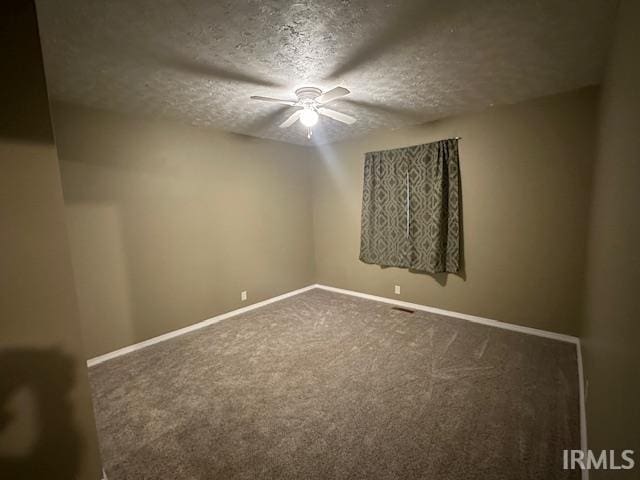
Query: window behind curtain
<point x="411" y="208"/>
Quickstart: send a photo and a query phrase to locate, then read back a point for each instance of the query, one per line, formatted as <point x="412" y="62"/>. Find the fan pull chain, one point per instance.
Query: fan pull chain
<point x="309" y="133"/>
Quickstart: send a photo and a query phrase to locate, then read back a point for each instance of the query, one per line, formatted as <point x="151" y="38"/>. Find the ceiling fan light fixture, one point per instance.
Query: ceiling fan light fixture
<point x="310" y="104"/>
<point x="308" y="117"/>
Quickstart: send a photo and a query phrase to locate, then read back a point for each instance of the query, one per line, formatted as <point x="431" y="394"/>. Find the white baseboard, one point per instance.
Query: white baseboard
<point x="495" y="323"/>
<point x="414" y="306"/>
<point x="196" y="326"/>
<point x="472" y="318"/>
<point x="583" y="409"/>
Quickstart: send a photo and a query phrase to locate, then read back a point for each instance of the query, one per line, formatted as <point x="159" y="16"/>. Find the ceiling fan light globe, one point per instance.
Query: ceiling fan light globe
<point x="308" y="118"/>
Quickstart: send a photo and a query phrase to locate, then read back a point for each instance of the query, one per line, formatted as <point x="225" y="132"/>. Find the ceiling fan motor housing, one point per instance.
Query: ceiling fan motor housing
<point x="308" y="95"/>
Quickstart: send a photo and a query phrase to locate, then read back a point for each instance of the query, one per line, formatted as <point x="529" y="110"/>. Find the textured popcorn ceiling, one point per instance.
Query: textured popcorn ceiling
<point x="405" y="62"/>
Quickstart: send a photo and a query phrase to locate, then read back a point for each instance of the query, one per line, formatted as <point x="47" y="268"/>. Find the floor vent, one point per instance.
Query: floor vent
<point x="400" y="309"/>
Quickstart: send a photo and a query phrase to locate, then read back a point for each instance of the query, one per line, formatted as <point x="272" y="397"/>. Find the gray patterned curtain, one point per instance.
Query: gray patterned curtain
<point x="411" y="208"/>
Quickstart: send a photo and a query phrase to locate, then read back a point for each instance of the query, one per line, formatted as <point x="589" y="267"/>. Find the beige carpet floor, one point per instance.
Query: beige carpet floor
<point x="328" y="386"/>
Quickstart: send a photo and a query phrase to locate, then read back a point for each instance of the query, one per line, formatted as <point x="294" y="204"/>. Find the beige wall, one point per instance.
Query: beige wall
<point x="611" y="335"/>
<point x="526" y="173"/>
<point x="169" y="223"/>
<point x="46" y="421"/>
<point x="162" y="236"/>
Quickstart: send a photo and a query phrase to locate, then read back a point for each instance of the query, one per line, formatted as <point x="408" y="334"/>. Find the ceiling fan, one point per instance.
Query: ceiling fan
<point x="310" y="104"/>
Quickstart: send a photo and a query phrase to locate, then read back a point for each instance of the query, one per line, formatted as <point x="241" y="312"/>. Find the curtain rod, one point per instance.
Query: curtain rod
<point x="399" y="148"/>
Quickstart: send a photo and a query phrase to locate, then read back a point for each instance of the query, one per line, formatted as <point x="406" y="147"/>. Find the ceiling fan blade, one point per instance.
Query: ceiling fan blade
<point x="292" y="119"/>
<point x="333" y="94"/>
<point x="341" y="117"/>
<point x="273" y="100"/>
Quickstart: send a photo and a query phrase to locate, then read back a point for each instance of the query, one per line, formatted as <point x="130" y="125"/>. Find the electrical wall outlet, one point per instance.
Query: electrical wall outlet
<point x="397" y="290"/>
<point x="243" y="295"/>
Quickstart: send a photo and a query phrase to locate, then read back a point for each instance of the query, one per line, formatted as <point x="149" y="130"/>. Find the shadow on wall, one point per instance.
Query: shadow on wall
<point x="442" y="278"/>
<point x="37" y="434"/>
<point x="22" y="91"/>
<point x="45" y="429"/>
<point x="169" y="223"/>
